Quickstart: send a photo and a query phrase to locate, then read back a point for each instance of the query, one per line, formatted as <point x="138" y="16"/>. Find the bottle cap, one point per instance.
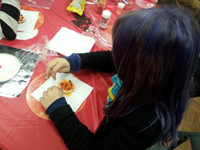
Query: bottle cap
<point x="120" y="5"/>
<point x="106" y="14"/>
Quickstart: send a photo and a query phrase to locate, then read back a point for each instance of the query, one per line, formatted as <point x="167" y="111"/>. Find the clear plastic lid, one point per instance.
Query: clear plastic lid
<point x="106" y="14"/>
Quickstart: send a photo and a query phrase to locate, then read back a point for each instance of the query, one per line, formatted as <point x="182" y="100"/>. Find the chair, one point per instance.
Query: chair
<point x="194" y="138"/>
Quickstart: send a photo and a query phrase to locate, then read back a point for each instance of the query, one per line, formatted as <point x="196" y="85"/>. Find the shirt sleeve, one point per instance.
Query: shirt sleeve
<point x="55" y="105"/>
<point x="9" y="16"/>
<point x="74" y="61"/>
<point x="125" y="136"/>
<point x="99" y="60"/>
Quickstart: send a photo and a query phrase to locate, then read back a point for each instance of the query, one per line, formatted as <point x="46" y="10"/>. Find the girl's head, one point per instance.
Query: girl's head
<point x="155" y="53"/>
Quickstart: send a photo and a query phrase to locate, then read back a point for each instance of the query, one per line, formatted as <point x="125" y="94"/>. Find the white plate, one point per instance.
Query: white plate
<point x="9" y="66"/>
<point x="26" y="35"/>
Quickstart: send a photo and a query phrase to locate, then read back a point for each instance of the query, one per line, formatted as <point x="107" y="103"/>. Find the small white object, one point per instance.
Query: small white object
<point x="105" y="19"/>
<point x="26" y="35"/>
<point x="106" y="14"/>
<point x="121" y="5"/>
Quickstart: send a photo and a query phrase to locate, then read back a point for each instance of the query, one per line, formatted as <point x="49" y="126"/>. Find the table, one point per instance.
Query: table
<point x="20" y="128"/>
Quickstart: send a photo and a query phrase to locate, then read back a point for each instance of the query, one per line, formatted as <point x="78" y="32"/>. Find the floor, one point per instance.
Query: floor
<point x="190" y="122"/>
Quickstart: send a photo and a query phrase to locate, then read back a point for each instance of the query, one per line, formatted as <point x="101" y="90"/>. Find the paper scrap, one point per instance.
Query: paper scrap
<point x="67" y="41"/>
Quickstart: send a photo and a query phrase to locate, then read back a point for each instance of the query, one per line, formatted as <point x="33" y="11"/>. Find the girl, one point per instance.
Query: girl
<point x="9" y="16"/>
<point x="155" y="52"/>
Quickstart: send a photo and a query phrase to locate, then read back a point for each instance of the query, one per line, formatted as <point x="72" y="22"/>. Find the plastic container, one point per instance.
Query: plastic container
<point x="105" y="19"/>
<point x="120" y="7"/>
<point x="46" y="4"/>
<point x="101" y="6"/>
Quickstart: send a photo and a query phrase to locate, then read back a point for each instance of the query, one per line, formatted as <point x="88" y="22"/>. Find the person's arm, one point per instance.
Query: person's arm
<point x="100" y="60"/>
<point x="125" y="136"/>
<point x="9" y="16"/>
<point x="133" y="131"/>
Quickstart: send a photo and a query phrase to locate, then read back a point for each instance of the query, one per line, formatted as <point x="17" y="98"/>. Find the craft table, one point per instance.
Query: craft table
<point x="20" y="128"/>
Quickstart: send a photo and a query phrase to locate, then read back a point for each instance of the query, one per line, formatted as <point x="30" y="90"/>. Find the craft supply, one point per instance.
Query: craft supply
<point x="105" y="19"/>
<point x="101" y="6"/>
<point x="120" y="7"/>
<point x="82" y="22"/>
<point x="67" y="41"/>
<point x="67" y="86"/>
<point x="77" y="6"/>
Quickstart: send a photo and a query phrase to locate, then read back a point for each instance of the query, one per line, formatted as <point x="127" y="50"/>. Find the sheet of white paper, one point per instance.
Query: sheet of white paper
<point x="67" y="41"/>
<point x="81" y="90"/>
<point x="31" y="19"/>
<point x="26" y="35"/>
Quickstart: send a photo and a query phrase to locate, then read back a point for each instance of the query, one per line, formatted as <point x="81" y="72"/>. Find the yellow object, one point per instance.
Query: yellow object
<point x="110" y="92"/>
<point x="77" y="6"/>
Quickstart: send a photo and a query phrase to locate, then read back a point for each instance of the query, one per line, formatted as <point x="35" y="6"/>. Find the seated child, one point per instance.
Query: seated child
<point x="155" y="54"/>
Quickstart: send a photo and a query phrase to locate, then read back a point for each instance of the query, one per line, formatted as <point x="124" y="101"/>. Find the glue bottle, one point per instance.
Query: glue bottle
<point x="120" y="7"/>
<point x="105" y="19"/>
<point x="101" y="6"/>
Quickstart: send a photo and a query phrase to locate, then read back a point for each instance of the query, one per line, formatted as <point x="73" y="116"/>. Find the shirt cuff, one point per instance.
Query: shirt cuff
<point x="55" y="105"/>
<point x="74" y="61"/>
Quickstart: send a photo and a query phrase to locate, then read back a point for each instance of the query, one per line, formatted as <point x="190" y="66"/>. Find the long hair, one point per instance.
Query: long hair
<point x="193" y="5"/>
<point x="155" y="52"/>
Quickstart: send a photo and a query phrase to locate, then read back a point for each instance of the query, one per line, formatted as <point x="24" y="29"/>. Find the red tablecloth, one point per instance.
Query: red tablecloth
<point x="20" y="128"/>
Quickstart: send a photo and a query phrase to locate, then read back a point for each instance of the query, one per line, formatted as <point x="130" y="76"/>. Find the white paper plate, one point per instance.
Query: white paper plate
<point x="26" y="35"/>
<point x="9" y="66"/>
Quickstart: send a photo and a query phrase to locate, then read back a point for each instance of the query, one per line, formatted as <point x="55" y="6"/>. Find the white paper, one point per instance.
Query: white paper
<point x="67" y="41"/>
<point x="26" y="35"/>
<point x="81" y="90"/>
<point x="31" y="19"/>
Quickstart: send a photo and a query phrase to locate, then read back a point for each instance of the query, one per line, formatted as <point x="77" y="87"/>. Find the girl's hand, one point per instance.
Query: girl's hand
<point x="51" y="95"/>
<point x="57" y="65"/>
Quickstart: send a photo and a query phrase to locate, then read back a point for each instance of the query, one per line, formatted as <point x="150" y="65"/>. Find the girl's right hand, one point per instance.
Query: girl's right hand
<point x="57" y="65"/>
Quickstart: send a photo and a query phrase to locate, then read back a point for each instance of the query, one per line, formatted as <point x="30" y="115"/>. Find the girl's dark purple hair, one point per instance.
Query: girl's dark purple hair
<point x="155" y="53"/>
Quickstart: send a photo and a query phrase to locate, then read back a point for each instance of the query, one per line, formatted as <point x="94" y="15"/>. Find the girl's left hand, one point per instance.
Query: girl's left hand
<point x="51" y="95"/>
